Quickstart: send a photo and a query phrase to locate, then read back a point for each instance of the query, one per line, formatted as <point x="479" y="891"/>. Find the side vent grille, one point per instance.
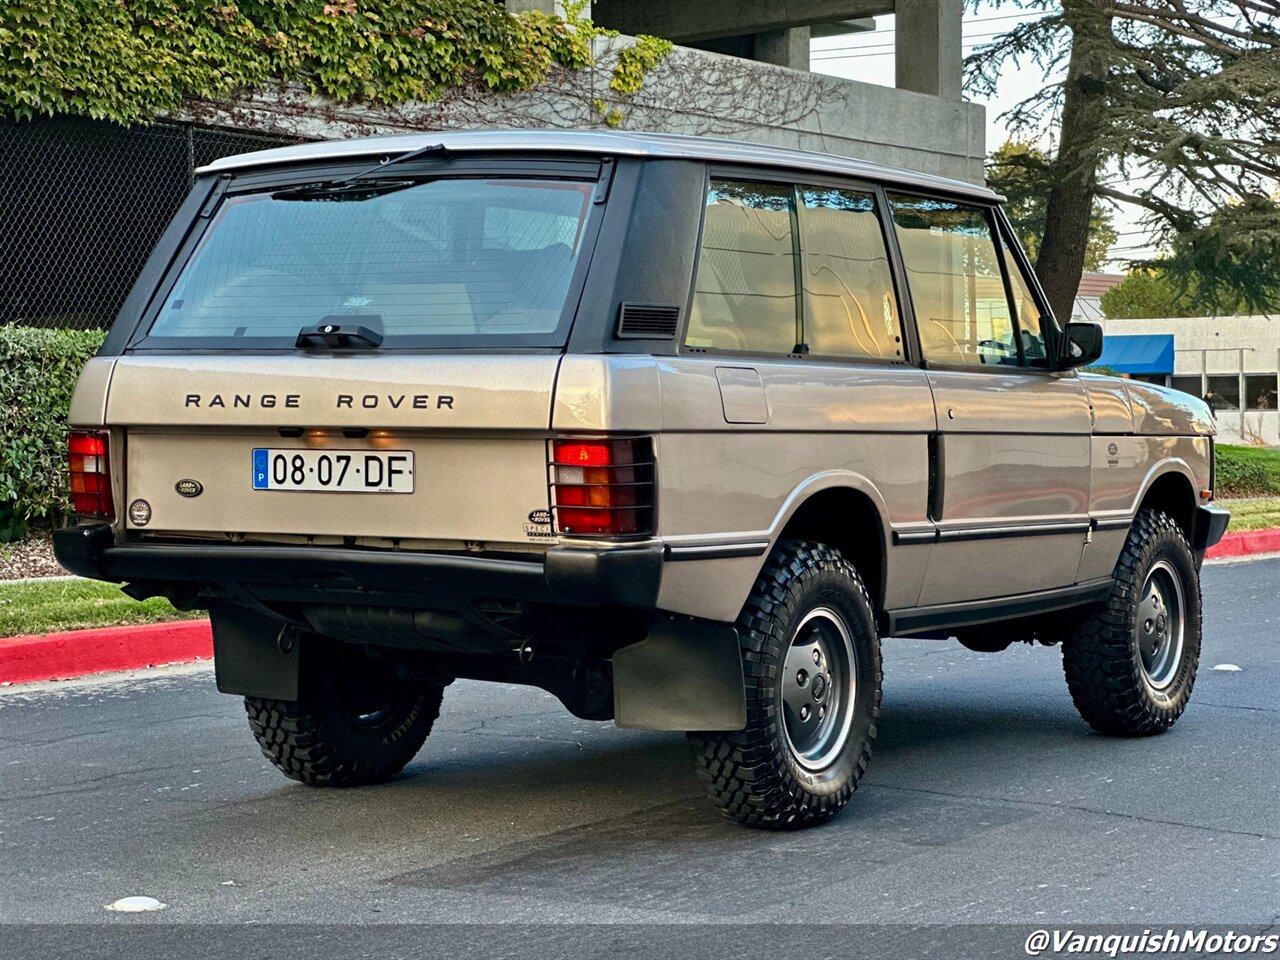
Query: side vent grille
<point x="648" y="321"/>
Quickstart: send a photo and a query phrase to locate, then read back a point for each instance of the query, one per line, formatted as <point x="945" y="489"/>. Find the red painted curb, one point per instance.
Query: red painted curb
<point x="58" y="656"/>
<point x="1245" y="543"/>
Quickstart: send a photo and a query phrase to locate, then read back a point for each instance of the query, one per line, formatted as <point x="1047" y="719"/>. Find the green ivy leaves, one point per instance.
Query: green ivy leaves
<point x="128" y="60"/>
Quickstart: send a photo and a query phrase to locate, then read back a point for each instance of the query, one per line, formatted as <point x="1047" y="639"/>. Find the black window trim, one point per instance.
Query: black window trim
<point x="1049" y="324"/>
<point x="469" y="166"/>
<point x="798" y="180"/>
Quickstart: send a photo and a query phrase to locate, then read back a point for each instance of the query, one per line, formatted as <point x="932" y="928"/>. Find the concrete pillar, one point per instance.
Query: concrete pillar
<point x="928" y="46"/>
<point x="546" y="6"/>
<point x="785" y="48"/>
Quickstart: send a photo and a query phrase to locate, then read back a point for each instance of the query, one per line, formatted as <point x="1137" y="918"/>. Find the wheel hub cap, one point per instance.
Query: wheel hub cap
<point x="1160" y="625"/>
<point x="819" y="688"/>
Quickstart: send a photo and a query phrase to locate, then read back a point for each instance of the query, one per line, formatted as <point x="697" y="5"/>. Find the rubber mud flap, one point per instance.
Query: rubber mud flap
<point x="248" y="657"/>
<point x="685" y="675"/>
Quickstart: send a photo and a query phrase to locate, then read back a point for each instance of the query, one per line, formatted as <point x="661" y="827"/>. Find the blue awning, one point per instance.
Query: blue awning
<point x="1138" y="353"/>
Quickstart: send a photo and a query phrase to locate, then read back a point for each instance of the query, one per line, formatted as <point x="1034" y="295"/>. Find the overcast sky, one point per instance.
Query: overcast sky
<point x="869" y="57"/>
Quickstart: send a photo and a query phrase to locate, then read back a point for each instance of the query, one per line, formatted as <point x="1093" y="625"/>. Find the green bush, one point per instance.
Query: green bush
<point x="1248" y="471"/>
<point x="38" y="370"/>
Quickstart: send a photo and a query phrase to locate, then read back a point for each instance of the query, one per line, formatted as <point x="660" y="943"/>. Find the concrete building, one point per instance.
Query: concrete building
<point x="1237" y="358"/>
<point x="739" y="70"/>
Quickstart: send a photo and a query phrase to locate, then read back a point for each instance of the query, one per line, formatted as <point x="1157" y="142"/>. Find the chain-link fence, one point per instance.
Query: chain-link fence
<point x="82" y="202"/>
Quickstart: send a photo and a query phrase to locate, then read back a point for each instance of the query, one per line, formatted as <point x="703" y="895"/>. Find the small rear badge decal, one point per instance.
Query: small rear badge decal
<point x="140" y="513"/>
<point x="539" y="525"/>
<point x="189" y="488"/>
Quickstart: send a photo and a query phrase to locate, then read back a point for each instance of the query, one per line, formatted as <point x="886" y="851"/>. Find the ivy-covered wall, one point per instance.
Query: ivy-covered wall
<point x="131" y="60"/>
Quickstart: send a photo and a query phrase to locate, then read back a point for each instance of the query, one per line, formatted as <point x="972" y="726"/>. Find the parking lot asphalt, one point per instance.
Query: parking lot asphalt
<point x="988" y="800"/>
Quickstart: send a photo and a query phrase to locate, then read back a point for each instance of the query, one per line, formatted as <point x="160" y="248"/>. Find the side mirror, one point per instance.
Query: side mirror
<point x="1081" y="344"/>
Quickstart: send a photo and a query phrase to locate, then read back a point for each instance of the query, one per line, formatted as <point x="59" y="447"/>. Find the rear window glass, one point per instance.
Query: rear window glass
<point x="459" y="258"/>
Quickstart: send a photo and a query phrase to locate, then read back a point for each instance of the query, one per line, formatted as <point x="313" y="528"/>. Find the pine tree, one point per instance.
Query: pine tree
<point x="1021" y="173"/>
<point x="1171" y="105"/>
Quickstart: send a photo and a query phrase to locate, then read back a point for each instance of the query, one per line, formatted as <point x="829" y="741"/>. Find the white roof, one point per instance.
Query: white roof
<point x="613" y="143"/>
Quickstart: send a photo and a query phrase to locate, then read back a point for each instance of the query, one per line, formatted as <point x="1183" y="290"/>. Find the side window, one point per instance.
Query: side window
<point x="745" y="291"/>
<point x="953" y="271"/>
<point x="1030" y="327"/>
<point x="849" y="304"/>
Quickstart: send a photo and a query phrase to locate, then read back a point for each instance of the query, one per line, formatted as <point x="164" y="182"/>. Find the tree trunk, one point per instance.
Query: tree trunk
<point x="1075" y="170"/>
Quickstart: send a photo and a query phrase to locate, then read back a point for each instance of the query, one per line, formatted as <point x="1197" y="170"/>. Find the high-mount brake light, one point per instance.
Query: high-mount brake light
<point x="89" y="461"/>
<point x="602" y="487"/>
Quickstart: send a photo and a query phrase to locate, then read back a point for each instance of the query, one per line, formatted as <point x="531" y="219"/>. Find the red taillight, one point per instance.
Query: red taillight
<point x="89" y="458"/>
<point x="602" y="487"/>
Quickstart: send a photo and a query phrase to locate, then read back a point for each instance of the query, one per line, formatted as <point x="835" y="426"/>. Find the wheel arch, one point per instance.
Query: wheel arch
<point x="846" y="512"/>
<point x="1171" y="488"/>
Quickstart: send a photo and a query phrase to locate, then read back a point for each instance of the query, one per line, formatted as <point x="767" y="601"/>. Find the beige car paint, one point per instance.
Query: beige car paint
<point x="512" y="393"/>
<point x="1017" y="447"/>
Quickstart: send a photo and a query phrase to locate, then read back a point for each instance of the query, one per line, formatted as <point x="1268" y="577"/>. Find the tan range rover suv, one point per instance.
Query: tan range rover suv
<point x="675" y="429"/>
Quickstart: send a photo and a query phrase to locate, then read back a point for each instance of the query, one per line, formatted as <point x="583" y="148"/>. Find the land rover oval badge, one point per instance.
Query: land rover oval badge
<point x="140" y="513"/>
<point x="189" y="488"/>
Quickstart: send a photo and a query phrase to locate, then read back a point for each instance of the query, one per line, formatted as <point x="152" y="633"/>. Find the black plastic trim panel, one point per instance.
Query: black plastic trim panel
<point x="1211" y="524"/>
<point x="717" y="551"/>
<point x="969" y="613"/>
<point x="624" y="576"/>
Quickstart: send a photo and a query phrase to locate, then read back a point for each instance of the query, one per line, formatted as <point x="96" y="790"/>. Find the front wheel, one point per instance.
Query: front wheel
<point x="1131" y="662"/>
<point x="811" y="660"/>
<point x="355" y="722"/>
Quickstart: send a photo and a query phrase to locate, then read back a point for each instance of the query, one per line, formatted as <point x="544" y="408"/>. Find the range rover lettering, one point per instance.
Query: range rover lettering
<point x="676" y="429"/>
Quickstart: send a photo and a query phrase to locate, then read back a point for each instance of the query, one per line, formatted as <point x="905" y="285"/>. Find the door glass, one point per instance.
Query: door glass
<point x="849" y="304"/>
<point x="1030" y="326"/>
<point x="953" y="271"/>
<point x="745" y="294"/>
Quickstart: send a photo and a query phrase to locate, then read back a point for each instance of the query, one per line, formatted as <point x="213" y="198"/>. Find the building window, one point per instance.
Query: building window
<point x="849" y="306"/>
<point x="745" y="294"/>
<point x="1260" y="391"/>
<point x="1226" y="391"/>
<point x="1189" y="385"/>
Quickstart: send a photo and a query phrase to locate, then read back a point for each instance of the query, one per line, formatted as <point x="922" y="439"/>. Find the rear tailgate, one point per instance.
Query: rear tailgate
<point x="475" y="426"/>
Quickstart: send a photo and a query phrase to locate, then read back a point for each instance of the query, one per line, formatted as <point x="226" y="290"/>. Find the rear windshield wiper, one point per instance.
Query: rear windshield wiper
<point x="332" y="332"/>
<point x="363" y="185"/>
<point x="342" y="190"/>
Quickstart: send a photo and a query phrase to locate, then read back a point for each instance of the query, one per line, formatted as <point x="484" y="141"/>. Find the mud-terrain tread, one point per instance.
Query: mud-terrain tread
<point x="746" y="771"/>
<point x="1097" y="658"/>
<point x="298" y="740"/>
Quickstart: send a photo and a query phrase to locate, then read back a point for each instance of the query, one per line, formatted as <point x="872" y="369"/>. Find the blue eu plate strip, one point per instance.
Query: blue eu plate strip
<point x="260" y="469"/>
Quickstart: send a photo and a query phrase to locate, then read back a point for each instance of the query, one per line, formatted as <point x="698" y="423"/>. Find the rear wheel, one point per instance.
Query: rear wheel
<point x="1131" y="662"/>
<point x="355" y="720"/>
<point x="811" y="660"/>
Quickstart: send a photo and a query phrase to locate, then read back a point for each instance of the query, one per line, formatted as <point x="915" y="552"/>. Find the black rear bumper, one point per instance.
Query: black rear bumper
<point x="627" y="576"/>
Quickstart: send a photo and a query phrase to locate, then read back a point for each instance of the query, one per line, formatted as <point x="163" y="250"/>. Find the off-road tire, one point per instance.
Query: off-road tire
<point x="321" y="740"/>
<point x="1102" y="657"/>
<point x="753" y="774"/>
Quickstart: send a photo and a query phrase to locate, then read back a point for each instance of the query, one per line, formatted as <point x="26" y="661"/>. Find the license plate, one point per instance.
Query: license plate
<point x="333" y="471"/>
